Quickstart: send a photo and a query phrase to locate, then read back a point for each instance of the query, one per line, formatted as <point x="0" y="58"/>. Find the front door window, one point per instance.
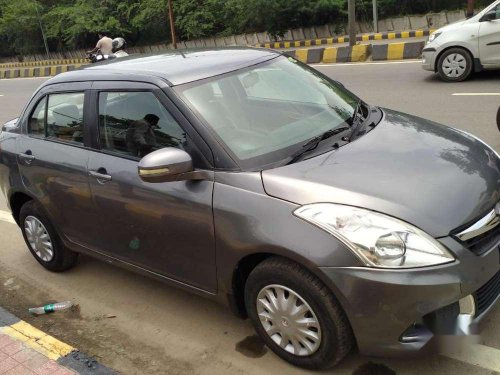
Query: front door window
<point x="136" y="123"/>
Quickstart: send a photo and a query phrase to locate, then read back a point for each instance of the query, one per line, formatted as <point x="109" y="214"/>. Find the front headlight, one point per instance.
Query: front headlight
<point x="433" y="36"/>
<point x="378" y="240"/>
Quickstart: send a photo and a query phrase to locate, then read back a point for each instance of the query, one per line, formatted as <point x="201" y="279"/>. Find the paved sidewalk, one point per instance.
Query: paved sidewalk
<point x="18" y="359"/>
<point x="24" y="349"/>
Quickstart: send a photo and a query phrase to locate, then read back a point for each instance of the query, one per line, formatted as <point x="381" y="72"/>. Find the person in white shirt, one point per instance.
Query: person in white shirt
<point x="105" y="45"/>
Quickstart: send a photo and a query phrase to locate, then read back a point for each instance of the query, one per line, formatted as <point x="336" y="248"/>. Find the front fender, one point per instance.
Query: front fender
<point x="251" y="222"/>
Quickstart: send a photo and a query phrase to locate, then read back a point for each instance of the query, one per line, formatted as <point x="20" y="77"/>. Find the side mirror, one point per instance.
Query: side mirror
<point x="490" y="16"/>
<point x="498" y="119"/>
<point x="166" y="165"/>
<point x="10" y="125"/>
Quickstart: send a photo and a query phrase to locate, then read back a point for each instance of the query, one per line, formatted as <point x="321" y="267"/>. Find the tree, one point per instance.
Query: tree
<point x="72" y="24"/>
<point x="19" y="27"/>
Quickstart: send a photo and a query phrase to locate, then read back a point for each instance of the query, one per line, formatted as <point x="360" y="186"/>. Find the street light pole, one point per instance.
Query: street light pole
<point x="43" y="32"/>
<point x="375" y="16"/>
<point x="351" y="10"/>
<point x="172" y="25"/>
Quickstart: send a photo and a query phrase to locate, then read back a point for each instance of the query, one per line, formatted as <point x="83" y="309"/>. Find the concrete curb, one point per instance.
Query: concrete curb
<point x="345" y="39"/>
<point x="43" y="63"/>
<point x="50" y="347"/>
<point x="46" y="71"/>
<point x="358" y="53"/>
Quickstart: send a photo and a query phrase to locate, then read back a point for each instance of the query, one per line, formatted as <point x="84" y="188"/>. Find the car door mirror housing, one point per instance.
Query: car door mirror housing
<point x="489" y="16"/>
<point x="166" y="165"/>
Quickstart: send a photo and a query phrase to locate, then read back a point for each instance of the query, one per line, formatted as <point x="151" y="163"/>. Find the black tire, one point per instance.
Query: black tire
<point x="63" y="258"/>
<point x="337" y="338"/>
<point x="461" y="55"/>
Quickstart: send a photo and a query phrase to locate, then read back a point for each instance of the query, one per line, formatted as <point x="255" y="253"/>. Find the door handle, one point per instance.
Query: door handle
<point x="100" y="175"/>
<point x="27" y="157"/>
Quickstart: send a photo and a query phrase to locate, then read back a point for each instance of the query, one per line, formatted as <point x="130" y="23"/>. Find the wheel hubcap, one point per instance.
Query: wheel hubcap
<point x="454" y="65"/>
<point x="38" y="238"/>
<point x="289" y="320"/>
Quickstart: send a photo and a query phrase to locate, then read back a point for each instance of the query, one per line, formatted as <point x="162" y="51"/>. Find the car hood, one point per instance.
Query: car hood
<point x="432" y="176"/>
<point x="452" y="26"/>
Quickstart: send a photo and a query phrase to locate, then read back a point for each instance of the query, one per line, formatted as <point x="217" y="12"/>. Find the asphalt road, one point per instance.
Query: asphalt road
<point x="159" y="329"/>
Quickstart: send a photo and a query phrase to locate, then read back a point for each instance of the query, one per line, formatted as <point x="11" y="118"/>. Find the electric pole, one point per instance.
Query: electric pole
<point x="375" y="16"/>
<point x="172" y="25"/>
<point x="470" y="8"/>
<point x="351" y="10"/>
<point x="43" y="32"/>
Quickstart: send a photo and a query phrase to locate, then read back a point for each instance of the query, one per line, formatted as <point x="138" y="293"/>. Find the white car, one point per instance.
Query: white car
<point x="457" y="50"/>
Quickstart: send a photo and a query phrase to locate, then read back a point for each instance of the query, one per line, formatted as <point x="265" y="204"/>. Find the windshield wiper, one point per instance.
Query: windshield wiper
<point x="313" y="143"/>
<point x="357" y="119"/>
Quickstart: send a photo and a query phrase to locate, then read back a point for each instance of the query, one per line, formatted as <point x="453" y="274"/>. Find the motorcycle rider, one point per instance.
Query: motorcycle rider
<point x="104" y="45"/>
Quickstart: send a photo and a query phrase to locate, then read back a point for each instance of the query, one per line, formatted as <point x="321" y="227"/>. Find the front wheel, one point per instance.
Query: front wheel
<point x="455" y="65"/>
<point x="296" y="315"/>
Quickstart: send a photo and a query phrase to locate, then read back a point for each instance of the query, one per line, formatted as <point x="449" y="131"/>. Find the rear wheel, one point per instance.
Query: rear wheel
<point x="455" y="65"/>
<point x="296" y="315"/>
<point x="43" y="241"/>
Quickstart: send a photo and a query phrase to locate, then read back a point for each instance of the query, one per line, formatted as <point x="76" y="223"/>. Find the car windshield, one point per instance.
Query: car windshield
<point x="265" y="113"/>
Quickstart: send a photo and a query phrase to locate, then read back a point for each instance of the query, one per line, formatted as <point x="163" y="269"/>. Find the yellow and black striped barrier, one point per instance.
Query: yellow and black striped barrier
<point x="345" y="39"/>
<point x="358" y="53"/>
<point x="397" y="51"/>
<point x="47" y="71"/>
<point x="42" y="63"/>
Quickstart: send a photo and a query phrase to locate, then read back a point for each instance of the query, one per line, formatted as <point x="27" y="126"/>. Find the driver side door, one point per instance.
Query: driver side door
<point x="165" y="228"/>
<point x="489" y="41"/>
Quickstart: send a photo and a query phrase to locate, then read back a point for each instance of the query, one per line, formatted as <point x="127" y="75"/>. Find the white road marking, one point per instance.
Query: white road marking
<point x="10" y="79"/>
<point x="369" y="63"/>
<point x="7" y="217"/>
<point x="479" y="355"/>
<point x="1" y="95"/>
<point x="476" y="94"/>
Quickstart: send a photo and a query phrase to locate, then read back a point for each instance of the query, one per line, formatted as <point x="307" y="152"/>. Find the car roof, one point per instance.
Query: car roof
<point x="176" y="67"/>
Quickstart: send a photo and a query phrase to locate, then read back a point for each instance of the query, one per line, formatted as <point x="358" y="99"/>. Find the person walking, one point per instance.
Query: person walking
<point x="105" y="45"/>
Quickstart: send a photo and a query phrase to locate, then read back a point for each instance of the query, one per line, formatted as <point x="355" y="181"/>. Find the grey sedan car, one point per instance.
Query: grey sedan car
<point x="247" y="177"/>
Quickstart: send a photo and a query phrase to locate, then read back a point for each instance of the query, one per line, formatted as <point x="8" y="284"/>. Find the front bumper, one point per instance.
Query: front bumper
<point x="429" y="59"/>
<point x="395" y="312"/>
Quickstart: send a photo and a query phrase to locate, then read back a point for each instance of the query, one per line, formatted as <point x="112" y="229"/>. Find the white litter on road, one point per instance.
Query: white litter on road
<point x="7" y="217"/>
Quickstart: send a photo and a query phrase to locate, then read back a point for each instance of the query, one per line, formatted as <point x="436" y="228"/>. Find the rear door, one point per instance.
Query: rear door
<point x="489" y="41"/>
<point x="53" y="157"/>
<point x="166" y="228"/>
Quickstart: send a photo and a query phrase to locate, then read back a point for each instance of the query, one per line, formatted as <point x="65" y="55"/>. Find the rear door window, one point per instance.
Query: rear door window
<point x="58" y="116"/>
<point x="65" y="117"/>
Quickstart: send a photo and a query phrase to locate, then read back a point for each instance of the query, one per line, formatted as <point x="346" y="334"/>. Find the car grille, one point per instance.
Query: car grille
<point x="487" y="294"/>
<point x="484" y="242"/>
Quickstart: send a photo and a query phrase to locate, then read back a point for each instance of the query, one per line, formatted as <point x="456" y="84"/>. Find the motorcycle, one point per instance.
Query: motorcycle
<point x="119" y="45"/>
<point x="98" y="57"/>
